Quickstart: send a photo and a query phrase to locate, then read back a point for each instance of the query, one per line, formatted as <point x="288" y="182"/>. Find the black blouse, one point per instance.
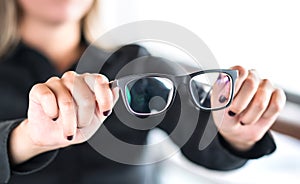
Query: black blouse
<point x="81" y="163"/>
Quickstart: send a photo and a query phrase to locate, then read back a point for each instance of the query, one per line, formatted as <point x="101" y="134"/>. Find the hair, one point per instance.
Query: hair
<point x="10" y="14"/>
<point x="9" y="36"/>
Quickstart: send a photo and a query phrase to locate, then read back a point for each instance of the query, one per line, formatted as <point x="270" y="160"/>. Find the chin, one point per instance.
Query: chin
<point x="57" y="11"/>
<point x="73" y="12"/>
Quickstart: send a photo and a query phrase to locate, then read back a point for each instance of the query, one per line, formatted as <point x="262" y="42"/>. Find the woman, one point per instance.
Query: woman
<point x="43" y="138"/>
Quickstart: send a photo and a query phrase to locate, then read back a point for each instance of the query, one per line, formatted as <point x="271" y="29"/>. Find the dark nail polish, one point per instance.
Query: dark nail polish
<point x="70" y="138"/>
<point x="222" y="99"/>
<point x="106" y="113"/>
<point x="230" y="113"/>
<point x="54" y="119"/>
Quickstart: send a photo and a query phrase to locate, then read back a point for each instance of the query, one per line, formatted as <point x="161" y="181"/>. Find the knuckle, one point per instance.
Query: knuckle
<point x="67" y="105"/>
<point x="261" y="100"/>
<point x="265" y="85"/>
<point x="260" y="104"/>
<point x="281" y="95"/>
<point x="253" y="70"/>
<point x="253" y="73"/>
<point x="275" y="107"/>
<point x="86" y="74"/>
<point x="241" y="71"/>
<point x="279" y="100"/>
<point x="36" y="87"/>
<point x="266" y="82"/>
<point x="53" y="79"/>
<point x="40" y="92"/>
<point x="101" y="78"/>
<point x="47" y="96"/>
<point x="251" y="82"/>
<point x="88" y="102"/>
<point x="69" y="74"/>
<point x="239" y="68"/>
<point x="69" y="77"/>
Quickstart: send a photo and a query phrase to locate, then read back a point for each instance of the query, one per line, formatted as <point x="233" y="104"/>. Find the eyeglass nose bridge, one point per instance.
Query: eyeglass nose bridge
<point x="183" y="91"/>
<point x="182" y="85"/>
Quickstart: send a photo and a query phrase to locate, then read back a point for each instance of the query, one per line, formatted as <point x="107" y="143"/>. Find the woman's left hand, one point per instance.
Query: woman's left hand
<point x="255" y="107"/>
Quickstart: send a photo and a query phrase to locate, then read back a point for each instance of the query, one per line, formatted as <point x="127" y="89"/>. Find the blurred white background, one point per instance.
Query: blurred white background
<point x="260" y="34"/>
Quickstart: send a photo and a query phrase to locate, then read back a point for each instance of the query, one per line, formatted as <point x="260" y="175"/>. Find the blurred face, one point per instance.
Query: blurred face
<point x="55" y="11"/>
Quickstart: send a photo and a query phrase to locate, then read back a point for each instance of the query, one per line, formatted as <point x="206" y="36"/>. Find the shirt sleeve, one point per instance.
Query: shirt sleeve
<point x="217" y="154"/>
<point x="220" y="155"/>
<point x="35" y="164"/>
<point x="265" y="146"/>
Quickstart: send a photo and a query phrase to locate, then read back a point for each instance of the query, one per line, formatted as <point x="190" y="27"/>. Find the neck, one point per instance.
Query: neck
<point x="59" y="42"/>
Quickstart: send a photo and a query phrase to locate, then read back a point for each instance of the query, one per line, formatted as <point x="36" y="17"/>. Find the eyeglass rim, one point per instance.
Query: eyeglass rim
<point x="168" y="104"/>
<point x="123" y="81"/>
<point x="232" y="74"/>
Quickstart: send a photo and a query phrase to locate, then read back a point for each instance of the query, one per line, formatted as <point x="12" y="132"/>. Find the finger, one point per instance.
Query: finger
<point x="259" y="103"/>
<point x="41" y="94"/>
<point x="104" y="96"/>
<point x="83" y="96"/>
<point x="245" y="93"/>
<point x="242" y="75"/>
<point x="66" y="106"/>
<point x="276" y="104"/>
<point x="115" y="95"/>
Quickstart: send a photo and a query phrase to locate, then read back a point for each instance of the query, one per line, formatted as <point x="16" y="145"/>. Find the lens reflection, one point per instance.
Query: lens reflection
<point x="149" y="95"/>
<point x="211" y="90"/>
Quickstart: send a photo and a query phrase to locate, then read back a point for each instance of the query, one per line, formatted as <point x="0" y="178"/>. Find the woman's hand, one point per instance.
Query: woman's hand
<point x="254" y="109"/>
<point x="62" y="111"/>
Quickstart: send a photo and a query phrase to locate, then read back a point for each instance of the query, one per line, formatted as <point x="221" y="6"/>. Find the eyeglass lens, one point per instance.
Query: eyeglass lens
<point x="211" y="90"/>
<point x="149" y="95"/>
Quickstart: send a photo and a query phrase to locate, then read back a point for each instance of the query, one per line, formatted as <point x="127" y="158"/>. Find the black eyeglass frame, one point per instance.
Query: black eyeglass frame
<point x="122" y="82"/>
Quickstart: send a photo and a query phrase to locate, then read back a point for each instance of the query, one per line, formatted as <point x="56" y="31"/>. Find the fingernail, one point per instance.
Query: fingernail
<point x="70" y="138"/>
<point x="106" y="113"/>
<point x="230" y="113"/>
<point x="222" y="99"/>
<point x="242" y="123"/>
<point x="54" y="119"/>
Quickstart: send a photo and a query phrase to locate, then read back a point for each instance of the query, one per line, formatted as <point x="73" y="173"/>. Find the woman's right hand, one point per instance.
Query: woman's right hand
<point x="62" y="111"/>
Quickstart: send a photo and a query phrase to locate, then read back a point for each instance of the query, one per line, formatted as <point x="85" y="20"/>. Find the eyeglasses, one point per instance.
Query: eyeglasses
<point x="151" y="94"/>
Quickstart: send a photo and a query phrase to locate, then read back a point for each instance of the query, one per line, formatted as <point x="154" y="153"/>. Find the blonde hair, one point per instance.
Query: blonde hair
<point x="9" y="24"/>
<point x="9" y="36"/>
